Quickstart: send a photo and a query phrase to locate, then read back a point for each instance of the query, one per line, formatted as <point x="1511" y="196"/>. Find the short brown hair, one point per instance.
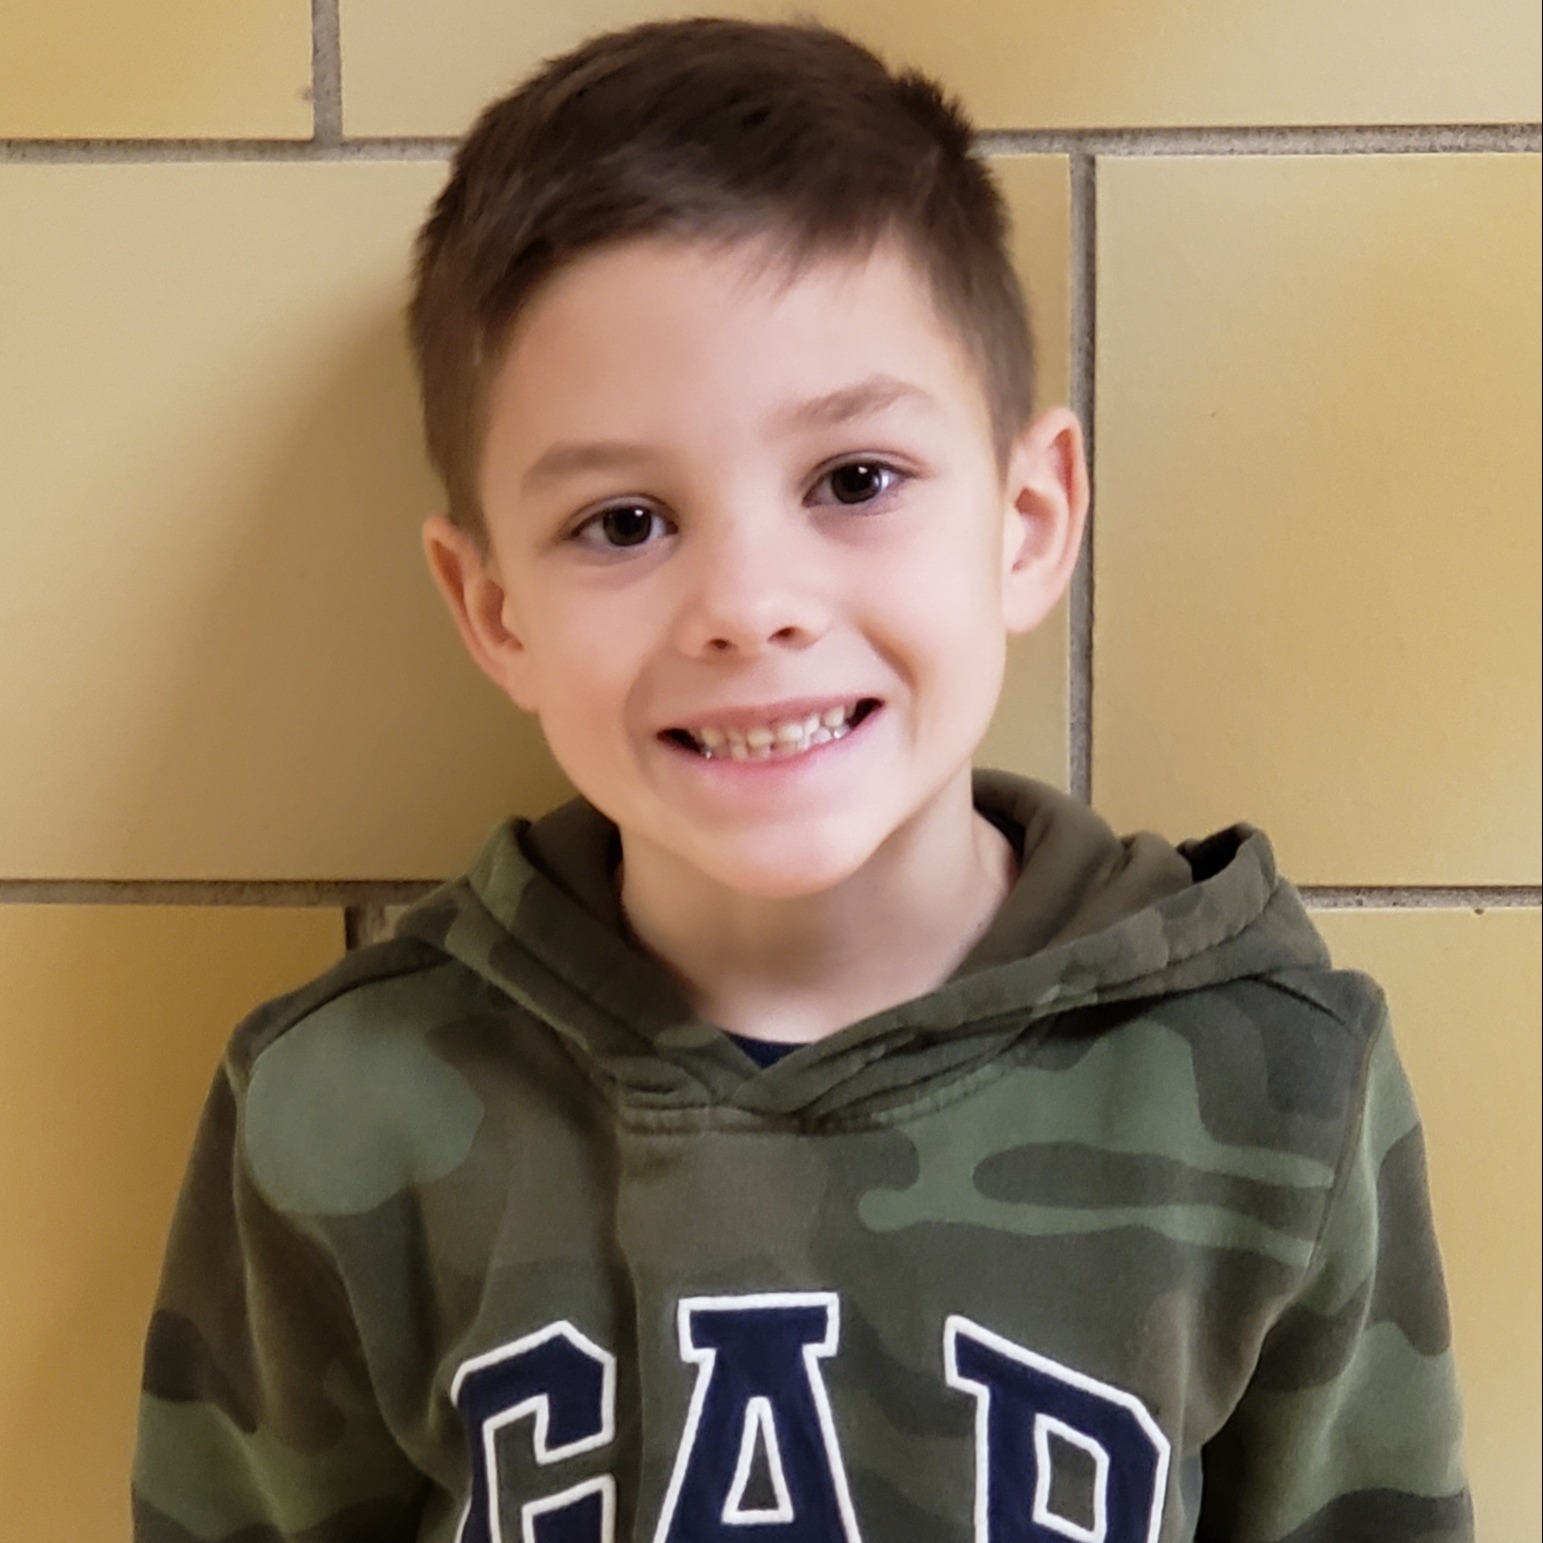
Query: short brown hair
<point x="706" y="130"/>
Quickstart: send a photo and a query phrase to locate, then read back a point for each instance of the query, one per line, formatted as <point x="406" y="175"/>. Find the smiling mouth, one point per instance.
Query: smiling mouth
<point x="776" y="741"/>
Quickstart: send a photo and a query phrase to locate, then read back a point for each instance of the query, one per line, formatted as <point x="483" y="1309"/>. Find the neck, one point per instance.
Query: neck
<point x="797" y="969"/>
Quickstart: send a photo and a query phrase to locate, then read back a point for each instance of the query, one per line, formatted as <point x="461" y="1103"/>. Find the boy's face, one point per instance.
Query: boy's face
<point x="720" y="501"/>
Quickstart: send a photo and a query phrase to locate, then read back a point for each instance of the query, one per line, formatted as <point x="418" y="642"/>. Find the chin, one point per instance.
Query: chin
<point x="781" y="875"/>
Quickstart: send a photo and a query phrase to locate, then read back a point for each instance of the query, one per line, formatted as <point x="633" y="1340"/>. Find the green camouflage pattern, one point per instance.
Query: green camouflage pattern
<point x="1145" y="1131"/>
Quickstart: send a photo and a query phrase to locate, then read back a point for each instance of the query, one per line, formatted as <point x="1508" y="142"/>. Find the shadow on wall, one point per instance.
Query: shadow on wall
<point x="117" y="1017"/>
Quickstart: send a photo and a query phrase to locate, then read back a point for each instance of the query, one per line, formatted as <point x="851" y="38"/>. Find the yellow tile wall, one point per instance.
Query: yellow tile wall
<point x="1030" y="731"/>
<point x="112" y="1025"/>
<point x="1464" y="990"/>
<point x="211" y="429"/>
<point x="1317" y="531"/>
<point x="153" y="69"/>
<point x="1313" y="383"/>
<point x="1052" y="64"/>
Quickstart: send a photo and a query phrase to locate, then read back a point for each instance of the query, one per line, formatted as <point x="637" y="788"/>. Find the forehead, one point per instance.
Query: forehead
<point x="652" y="335"/>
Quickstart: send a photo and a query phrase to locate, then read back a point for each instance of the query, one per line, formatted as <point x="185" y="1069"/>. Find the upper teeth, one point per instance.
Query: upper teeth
<point x="781" y="736"/>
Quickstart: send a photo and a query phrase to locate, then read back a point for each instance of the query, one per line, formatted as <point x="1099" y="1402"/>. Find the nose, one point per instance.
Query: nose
<point x="750" y="585"/>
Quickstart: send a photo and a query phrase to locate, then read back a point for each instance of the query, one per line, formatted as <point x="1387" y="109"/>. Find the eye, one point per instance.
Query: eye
<point x="861" y="482"/>
<point x="620" y="527"/>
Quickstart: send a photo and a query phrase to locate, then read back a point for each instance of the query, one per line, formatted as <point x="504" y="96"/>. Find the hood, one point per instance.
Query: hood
<point x="1093" y="921"/>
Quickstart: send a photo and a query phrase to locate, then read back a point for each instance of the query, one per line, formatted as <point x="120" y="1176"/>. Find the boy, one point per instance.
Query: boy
<point x="799" y="1137"/>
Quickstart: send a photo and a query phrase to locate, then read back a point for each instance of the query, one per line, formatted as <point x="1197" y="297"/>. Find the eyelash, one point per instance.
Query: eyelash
<point x="895" y="475"/>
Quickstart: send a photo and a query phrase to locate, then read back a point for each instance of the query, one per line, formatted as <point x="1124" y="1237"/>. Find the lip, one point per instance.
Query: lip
<point x="768" y="712"/>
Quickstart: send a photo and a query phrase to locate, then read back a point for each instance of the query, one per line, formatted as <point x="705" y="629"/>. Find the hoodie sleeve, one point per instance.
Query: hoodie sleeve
<point x="1351" y="1426"/>
<point x="257" y="1419"/>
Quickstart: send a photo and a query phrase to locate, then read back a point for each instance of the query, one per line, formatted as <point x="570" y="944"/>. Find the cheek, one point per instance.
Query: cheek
<point x="581" y="658"/>
<point x="947" y="591"/>
<point x="955" y="605"/>
<point x="562" y="618"/>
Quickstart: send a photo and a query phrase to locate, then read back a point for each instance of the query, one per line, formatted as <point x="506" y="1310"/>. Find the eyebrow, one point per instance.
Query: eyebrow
<point x="868" y="397"/>
<point x="572" y="456"/>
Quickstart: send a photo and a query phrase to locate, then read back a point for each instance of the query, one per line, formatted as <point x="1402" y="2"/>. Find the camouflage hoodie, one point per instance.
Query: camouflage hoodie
<point x="1119" y="1235"/>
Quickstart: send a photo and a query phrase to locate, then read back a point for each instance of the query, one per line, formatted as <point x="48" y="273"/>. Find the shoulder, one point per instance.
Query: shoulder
<point x="1281" y="1059"/>
<point x="378" y="972"/>
<point x="348" y="1088"/>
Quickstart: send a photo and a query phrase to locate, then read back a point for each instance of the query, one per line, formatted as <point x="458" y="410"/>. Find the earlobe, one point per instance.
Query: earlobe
<point x="478" y="603"/>
<point x="1047" y="506"/>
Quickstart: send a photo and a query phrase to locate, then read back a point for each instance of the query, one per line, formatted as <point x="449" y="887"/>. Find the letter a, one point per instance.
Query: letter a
<point x="759" y="1394"/>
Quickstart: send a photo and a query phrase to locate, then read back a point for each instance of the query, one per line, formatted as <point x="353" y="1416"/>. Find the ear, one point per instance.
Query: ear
<point x="1046" y="494"/>
<point x="466" y="575"/>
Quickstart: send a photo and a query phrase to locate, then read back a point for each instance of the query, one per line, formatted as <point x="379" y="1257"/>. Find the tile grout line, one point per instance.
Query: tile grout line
<point x="326" y="76"/>
<point x="198" y="152"/>
<point x="241" y="892"/>
<point x="1435" y="897"/>
<point x="331" y="144"/>
<point x="367" y="895"/>
<point x="1083" y="322"/>
<point x="1331" y="139"/>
